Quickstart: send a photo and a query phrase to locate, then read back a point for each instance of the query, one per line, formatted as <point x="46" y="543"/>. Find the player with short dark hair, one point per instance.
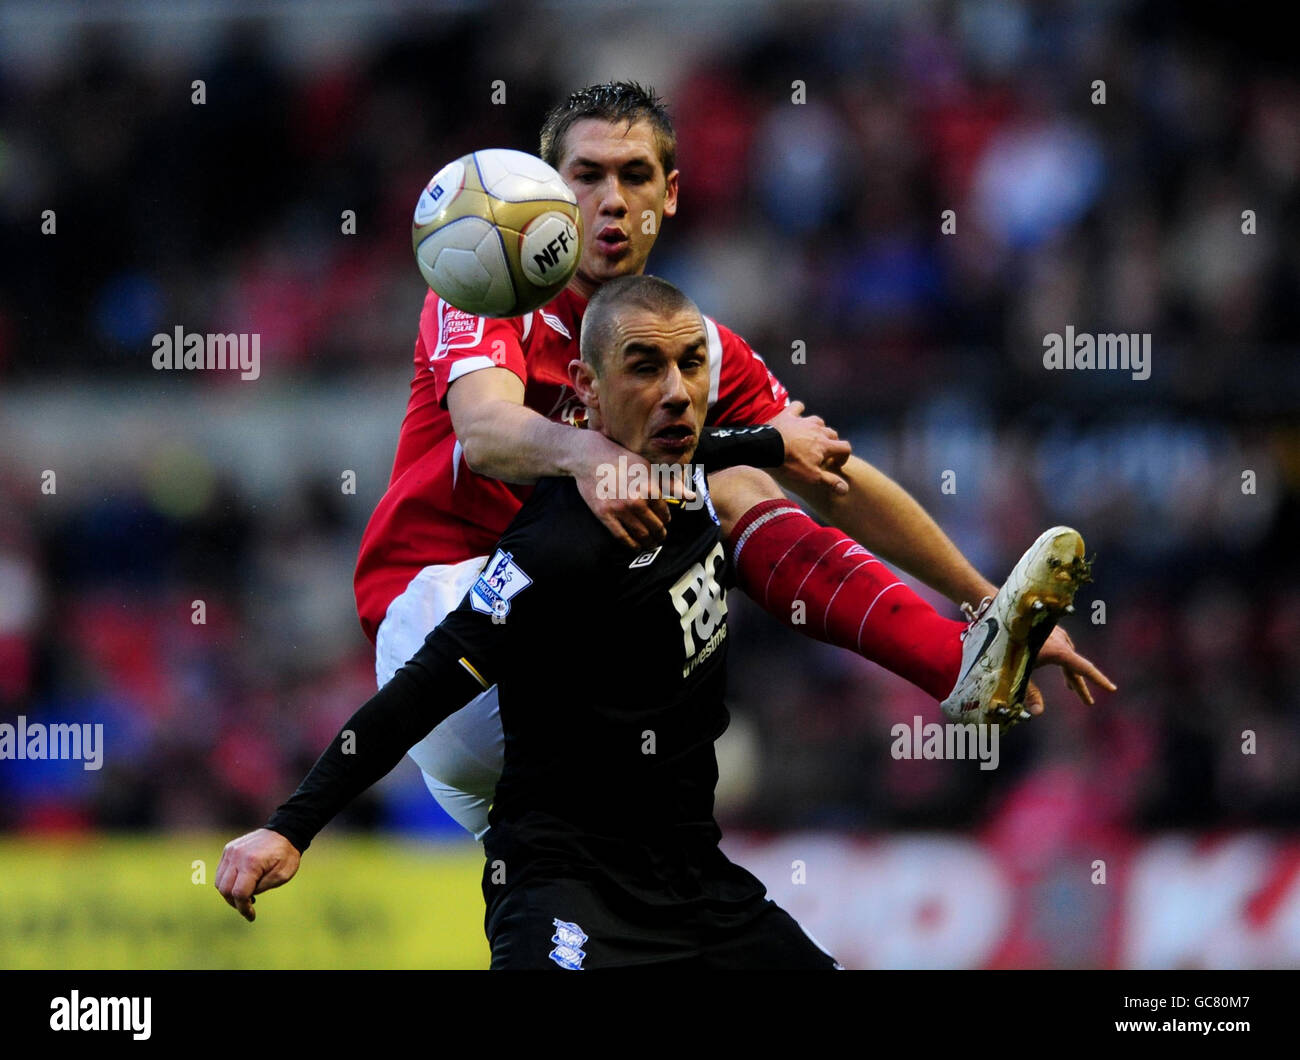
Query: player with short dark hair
<point x="603" y="850"/>
<point x="613" y="101"/>
<point x="492" y="410"/>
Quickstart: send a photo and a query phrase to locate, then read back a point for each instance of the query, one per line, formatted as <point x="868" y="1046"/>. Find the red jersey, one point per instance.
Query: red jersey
<point x="437" y="511"/>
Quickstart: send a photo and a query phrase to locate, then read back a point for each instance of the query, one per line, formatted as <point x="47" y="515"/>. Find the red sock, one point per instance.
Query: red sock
<point x="851" y="599"/>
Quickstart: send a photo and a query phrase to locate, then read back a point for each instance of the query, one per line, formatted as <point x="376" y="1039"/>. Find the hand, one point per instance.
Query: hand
<point x="254" y="863"/>
<point x="1058" y="650"/>
<point x="630" y="504"/>
<point x="813" y="451"/>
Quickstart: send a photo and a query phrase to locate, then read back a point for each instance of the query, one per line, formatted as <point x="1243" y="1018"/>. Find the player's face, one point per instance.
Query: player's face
<point x="623" y="195"/>
<point x="653" y="392"/>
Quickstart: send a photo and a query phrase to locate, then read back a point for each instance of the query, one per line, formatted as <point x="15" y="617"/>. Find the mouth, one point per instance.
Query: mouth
<point x="676" y="438"/>
<point x="612" y="241"/>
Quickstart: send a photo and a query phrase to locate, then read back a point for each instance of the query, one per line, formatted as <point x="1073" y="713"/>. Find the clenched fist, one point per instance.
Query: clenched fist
<point x="254" y="863"/>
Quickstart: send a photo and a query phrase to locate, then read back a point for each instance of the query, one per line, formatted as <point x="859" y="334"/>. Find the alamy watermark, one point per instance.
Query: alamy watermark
<point x="77" y="1013"/>
<point x="624" y="479"/>
<point x="1082" y="351"/>
<point x="196" y="352"/>
<point x="952" y="741"/>
<point x="37" y="742"/>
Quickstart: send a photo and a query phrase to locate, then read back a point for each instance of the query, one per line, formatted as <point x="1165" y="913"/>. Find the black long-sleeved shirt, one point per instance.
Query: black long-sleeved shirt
<point x="610" y="666"/>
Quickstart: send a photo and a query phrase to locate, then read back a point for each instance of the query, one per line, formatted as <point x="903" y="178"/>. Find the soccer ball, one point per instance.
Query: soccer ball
<point x="497" y="233"/>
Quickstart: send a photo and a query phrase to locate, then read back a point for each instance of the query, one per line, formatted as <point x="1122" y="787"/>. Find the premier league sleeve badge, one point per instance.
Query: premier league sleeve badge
<point x="502" y="579"/>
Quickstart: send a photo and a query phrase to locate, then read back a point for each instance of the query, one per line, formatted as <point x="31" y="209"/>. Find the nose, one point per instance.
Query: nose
<point x="612" y="200"/>
<point x="675" y="395"/>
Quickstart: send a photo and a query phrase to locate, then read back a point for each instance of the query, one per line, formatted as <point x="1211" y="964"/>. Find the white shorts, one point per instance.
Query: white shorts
<point x="462" y="757"/>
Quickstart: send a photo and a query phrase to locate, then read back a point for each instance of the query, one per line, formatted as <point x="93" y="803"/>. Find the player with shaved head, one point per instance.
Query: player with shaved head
<point x="493" y="410"/>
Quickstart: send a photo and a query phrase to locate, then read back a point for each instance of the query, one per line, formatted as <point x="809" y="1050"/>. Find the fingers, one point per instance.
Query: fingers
<point x="254" y="863"/>
<point x="678" y="488"/>
<point x="1078" y="672"/>
<point x="644" y="525"/>
<point x="638" y="517"/>
<point x="1076" y="684"/>
<point x="612" y="524"/>
<point x="637" y="527"/>
<point x="241" y="894"/>
<point x="659" y="509"/>
<point x="222" y="869"/>
<point x="1034" y="700"/>
<point x="236" y="883"/>
<point x="1088" y="670"/>
<point x="1058" y="650"/>
<point x="795" y="408"/>
<point x="640" y="520"/>
<point x="835" y="482"/>
<point x="837" y="455"/>
<point x="813" y="448"/>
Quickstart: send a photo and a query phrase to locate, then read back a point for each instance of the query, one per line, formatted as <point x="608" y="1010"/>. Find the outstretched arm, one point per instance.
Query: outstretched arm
<point x="431" y="686"/>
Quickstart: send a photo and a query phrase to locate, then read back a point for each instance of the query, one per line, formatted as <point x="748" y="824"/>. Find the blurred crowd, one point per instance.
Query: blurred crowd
<point x="817" y="222"/>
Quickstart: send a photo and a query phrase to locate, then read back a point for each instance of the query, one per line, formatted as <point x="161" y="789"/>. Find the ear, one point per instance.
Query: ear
<point x="670" y="195"/>
<point x="584" y="382"/>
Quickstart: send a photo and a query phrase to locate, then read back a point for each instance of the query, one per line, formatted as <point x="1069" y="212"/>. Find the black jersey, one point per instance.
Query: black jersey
<point x="611" y="673"/>
<point x="610" y="663"/>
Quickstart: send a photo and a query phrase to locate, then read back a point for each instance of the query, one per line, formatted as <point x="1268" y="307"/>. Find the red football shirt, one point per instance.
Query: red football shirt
<point x="436" y="510"/>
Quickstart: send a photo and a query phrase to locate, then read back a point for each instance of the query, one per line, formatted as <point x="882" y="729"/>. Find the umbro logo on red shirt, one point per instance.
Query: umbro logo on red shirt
<point x="555" y="323"/>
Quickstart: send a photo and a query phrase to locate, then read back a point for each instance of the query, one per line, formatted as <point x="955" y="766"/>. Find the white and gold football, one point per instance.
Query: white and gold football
<point x="497" y="233"/>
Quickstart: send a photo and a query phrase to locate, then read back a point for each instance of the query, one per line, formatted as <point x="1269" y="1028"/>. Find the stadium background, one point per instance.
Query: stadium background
<point x="816" y="223"/>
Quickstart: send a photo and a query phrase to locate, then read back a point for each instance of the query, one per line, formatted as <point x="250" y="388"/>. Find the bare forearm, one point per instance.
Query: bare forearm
<point x="515" y="444"/>
<point x="888" y="521"/>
